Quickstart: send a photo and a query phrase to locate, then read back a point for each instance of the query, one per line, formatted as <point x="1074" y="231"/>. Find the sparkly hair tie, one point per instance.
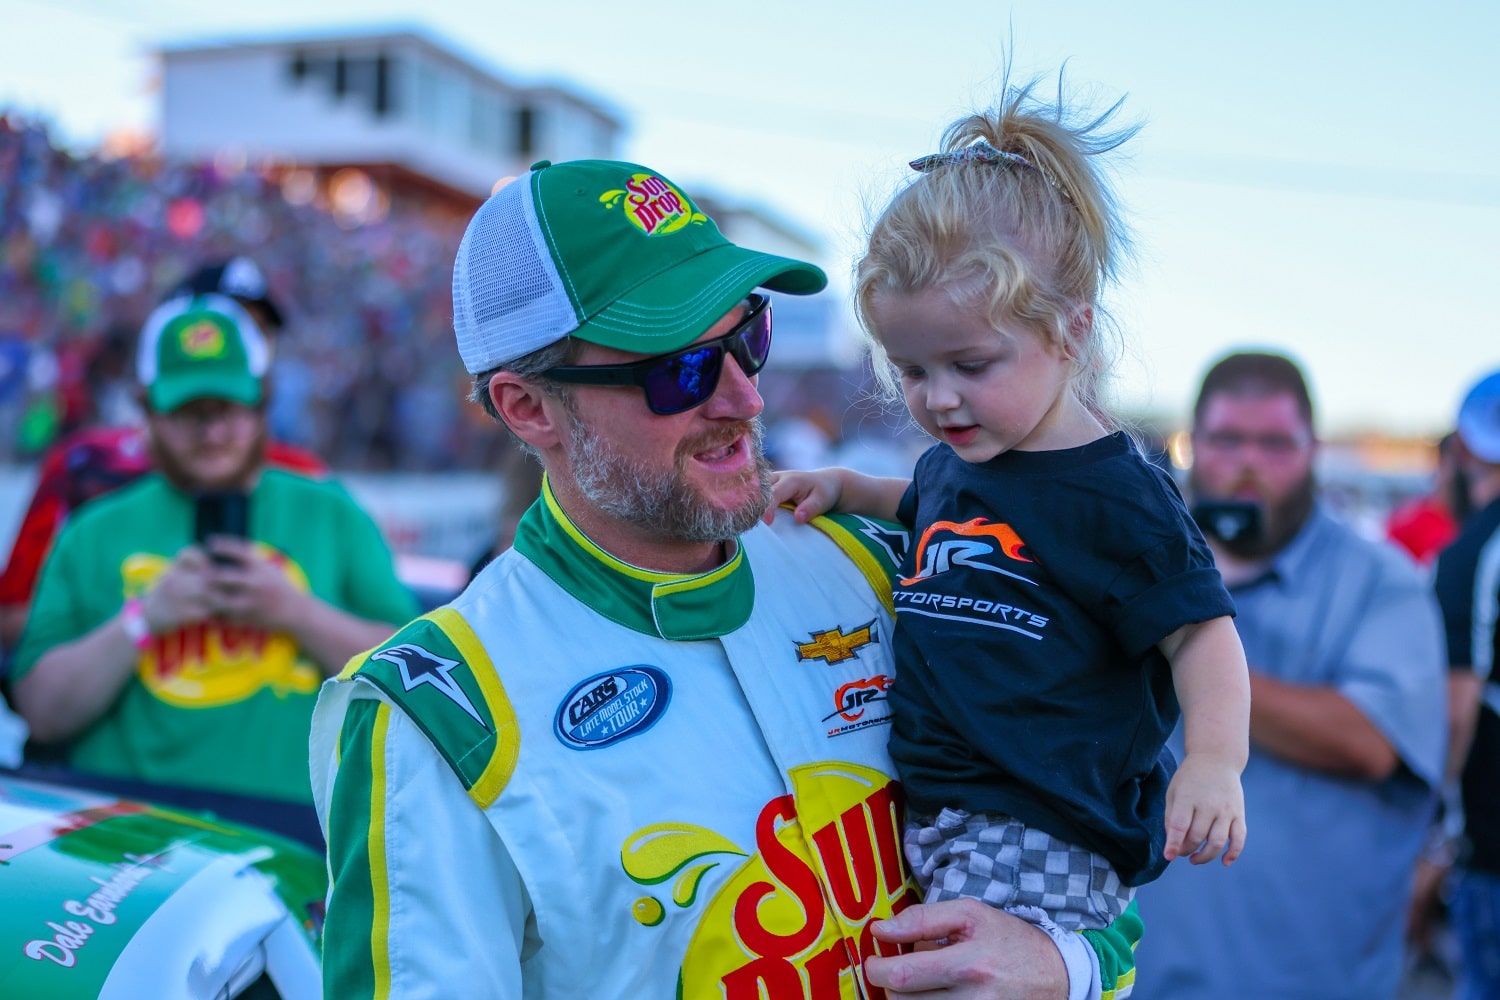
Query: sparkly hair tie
<point x="981" y="152"/>
<point x="978" y="152"/>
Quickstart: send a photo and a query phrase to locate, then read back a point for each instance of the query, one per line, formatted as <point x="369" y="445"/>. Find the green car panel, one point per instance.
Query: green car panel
<point x="104" y="897"/>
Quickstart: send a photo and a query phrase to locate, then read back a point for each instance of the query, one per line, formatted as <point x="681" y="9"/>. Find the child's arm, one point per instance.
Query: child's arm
<point x="818" y="491"/>
<point x="1205" y="804"/>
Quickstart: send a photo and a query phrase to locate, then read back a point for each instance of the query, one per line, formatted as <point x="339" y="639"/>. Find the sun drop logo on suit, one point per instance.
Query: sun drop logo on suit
<point x="612" y="706"/>
<point x="787" y="914"/>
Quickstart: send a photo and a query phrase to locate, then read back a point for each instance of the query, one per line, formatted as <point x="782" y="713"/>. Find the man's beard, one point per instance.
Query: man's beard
<point x="663" y="500"/>
<point x="180" y="473"/>
<point x="1280" y="521"/>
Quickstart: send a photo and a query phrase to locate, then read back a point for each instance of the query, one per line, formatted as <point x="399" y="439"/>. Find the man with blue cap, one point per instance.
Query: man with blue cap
<point x="1468" y="589"/>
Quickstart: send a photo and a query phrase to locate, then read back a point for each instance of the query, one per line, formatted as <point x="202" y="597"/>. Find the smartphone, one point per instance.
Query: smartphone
<point x="1229" y="521"/>
<point x="221" y="514"/>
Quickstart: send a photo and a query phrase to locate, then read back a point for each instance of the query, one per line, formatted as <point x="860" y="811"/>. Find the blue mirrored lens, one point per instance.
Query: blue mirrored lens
<point x="755" y="344"/>
<point x="684" y="380"/>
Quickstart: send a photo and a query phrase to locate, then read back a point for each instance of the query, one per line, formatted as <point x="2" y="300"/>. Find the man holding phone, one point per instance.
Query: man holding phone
<point x="1346" y="723"/>
<point x="94" y="460"/>
<point x="183" y="623"/>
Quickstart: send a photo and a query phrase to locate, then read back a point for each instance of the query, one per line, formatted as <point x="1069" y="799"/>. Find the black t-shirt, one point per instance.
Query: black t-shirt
<point x="1027" y="617"/>
<point x="1468" y="589"/>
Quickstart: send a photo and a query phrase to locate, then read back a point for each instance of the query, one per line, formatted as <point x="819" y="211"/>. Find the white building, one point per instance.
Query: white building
<point x="396" y="101"/>
<point x="385" y="114"/>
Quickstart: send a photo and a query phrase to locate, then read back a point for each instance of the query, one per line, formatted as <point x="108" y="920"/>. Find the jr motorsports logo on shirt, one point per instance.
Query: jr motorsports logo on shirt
<point x="963" y="549"/>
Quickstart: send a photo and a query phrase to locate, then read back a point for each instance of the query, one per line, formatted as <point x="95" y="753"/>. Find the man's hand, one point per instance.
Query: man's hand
<point x="180" y="596"/>
<point x="1424" y="912"/>
<point x="967" y="949"/>
<point x="246" y="588"/>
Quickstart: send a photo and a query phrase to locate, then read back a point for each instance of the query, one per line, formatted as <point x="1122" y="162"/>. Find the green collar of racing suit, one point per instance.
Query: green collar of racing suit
<point x="670" y="605"/>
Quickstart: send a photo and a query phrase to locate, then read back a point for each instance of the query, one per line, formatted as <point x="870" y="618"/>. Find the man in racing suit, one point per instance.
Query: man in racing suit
<point x="643" y="754"/>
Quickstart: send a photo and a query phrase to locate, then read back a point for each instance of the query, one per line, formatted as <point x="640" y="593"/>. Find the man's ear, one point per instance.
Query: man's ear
<point x="527" y="409"/>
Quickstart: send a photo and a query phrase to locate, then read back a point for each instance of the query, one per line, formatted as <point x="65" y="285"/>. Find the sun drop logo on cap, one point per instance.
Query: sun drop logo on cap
<point x="652" y="205"/>
<point x="203" y="339"/>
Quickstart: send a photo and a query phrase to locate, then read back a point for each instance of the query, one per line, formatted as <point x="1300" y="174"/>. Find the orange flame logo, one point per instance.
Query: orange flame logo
<point x="1010" y="542"/>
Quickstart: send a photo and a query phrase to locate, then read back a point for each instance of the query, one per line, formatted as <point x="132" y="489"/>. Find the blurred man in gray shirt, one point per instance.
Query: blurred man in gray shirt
<point x="1347" y="725"/>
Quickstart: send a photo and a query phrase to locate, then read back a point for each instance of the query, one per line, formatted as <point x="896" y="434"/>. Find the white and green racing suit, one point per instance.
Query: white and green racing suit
<point x="584" y="779"/>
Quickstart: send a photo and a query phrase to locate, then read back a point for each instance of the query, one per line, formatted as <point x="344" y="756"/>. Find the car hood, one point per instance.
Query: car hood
<point x="112" y="898"/>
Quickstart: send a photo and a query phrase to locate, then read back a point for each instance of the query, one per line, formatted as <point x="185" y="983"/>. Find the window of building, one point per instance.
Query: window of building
<point x="527" y="129"/>
<point x="367" y="79"/>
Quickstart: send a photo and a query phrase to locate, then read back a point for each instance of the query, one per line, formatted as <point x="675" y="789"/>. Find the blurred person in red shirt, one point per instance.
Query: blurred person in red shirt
<point x="1427" y="524"/>
<point x="94" y="460"/>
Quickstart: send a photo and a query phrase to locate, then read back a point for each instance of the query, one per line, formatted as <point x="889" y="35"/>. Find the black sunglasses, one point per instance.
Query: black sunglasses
<point x="687" y="378"/>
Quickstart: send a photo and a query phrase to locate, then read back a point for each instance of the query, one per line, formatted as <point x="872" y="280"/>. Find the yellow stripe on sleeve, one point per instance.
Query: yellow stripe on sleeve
<point x="874" y="573"/>
<point x="380" y="925"/>
<point x="502" y="763"/>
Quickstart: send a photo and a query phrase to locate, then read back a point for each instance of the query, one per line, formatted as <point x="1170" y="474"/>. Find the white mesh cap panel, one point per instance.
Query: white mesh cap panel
<point x="508" y="299"/>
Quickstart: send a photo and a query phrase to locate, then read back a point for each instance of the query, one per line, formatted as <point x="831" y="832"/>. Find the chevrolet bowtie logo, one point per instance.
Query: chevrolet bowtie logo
<point x="835" y="645"/>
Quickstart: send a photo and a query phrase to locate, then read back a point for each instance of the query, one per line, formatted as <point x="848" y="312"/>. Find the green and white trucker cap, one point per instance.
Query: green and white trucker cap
<point x="204" y="346"/>
<point x="609" y="252"/>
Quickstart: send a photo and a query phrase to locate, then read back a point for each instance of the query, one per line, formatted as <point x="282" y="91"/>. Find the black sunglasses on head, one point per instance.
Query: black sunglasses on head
<point x="687" y="378"/>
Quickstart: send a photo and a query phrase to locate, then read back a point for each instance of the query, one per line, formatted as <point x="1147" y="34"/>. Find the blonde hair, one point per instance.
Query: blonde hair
<point x="1031" y="235"/>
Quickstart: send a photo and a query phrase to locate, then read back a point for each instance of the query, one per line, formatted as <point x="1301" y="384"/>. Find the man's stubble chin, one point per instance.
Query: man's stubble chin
<point x="664" y="500"/>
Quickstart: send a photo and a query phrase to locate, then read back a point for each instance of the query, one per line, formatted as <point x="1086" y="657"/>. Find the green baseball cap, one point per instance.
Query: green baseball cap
<point x="197" y="347"/>
<point x="606" y="251"/>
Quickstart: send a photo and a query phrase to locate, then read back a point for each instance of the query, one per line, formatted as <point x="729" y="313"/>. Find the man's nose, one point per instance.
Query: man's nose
<point x="216" y="428"/>
<point x="736" y="397"/>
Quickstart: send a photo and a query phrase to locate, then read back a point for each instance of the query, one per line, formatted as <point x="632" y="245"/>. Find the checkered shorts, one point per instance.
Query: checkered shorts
<point x="1003" y="862"/>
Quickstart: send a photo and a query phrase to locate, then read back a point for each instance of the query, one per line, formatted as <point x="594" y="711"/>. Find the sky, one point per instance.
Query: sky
<point x="1320" y="177"/>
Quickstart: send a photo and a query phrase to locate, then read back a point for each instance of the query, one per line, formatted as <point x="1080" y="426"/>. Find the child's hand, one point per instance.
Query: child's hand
<point x="813" y="492"/>
<point x="1205" y="810"/>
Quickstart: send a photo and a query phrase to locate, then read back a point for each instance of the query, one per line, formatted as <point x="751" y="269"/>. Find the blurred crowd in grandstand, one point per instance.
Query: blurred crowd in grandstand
<point x="366" y="375"/>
